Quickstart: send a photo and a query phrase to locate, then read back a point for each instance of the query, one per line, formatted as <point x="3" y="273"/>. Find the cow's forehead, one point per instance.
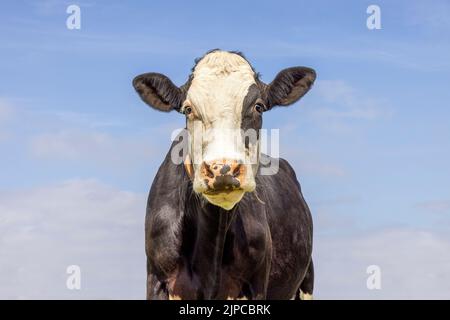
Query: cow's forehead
<point x="222" y="63"/>
<point x="220" y="82"/>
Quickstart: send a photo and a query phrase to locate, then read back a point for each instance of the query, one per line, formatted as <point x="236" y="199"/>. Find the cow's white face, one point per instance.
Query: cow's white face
<point x="223" y="102"/>
<point x="215" y="101"/>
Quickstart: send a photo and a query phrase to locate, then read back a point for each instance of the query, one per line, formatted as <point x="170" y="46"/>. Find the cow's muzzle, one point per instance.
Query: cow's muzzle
<point x="224" y="182"/>
<point x="222" y="175"/>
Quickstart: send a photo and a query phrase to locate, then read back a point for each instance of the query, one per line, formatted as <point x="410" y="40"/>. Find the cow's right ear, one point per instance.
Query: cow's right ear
<point x="158" y="91"/>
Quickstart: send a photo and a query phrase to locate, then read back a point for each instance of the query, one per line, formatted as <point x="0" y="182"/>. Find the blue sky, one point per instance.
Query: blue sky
<point x="369" y="142"/>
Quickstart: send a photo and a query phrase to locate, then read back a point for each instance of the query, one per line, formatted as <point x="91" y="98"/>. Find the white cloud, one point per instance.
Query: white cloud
<point x="6" y="114"/>
<point x="101" y="229"/>
<point x="88" y="139"/>
<point x="414" y="265"/>
<point x="346" y="103"/>
<point x="309" y="162"/>
<point x="51" y="7"/>
<point x="337" y="201"/>
<point x="434" y="206"/>
<point x="409" y="53"/>
<point x="6" y="111"/>
<point x="82" y="222"/>
<point x="87" y="120"/>
<point x="319" y="168"/>
<point x="430" y="14"/>
<point x="95" y="147"/>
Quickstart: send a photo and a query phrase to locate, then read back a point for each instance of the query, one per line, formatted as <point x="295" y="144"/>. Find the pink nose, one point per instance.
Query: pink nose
<point x="222" y="175"/>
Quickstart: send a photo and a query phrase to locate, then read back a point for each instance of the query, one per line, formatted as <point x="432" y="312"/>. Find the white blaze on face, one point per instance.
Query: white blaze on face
<point x="220" y="83"/>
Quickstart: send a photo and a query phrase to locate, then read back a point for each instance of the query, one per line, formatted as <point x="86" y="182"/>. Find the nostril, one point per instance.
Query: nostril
<point x="226" y="182"/>
<point x="207" y="170"/>
<point x="237" y="170"/>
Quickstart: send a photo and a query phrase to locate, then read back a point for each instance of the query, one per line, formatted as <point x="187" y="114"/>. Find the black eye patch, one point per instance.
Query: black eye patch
<point x="251" y="119"/>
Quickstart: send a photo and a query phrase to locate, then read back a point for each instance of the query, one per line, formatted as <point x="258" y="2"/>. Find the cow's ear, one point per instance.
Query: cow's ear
<point x="158" y="91"/>
<point x="289" y="86"/>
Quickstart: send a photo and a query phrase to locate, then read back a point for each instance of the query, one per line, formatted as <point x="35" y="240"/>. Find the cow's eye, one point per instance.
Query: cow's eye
<point x="187" y="110"/>
<point x="259" y="107"/>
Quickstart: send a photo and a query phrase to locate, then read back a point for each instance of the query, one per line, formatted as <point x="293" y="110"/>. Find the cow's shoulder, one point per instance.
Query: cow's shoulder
<point x="276" y="171"/>
<point x="282" y="195"/>
<point x="170" y="183"/>
<point x="164" y="216"/>
<point x="290" y="223"/>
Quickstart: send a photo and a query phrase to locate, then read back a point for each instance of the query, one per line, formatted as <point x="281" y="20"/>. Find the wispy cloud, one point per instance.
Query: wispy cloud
<point x="429" y="14"/>
<point x="87" y="119"/>
<point x="93" y="43"/>
<point x="83" y="222"/>
<point x="434" y="206"/>
<point x="93" y="225"/>
<point x="309" y="162"/>
<point x="92" y="139"/>
<point x="6" y="113"/>
<point x="49" y="7"/>
<point x="414" y="54"/>
<point x="337" y="201"/>
<point x="84" y="139"/>
<point x="309" y="166"/>
<point x="414" y="265"/>
<point x="337" y="107"/>
<point x="340" y="101"/>
<point x="95" y="148"/>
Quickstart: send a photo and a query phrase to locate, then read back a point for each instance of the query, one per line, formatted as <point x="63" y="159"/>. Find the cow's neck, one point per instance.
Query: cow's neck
<point x="212" y="226"/>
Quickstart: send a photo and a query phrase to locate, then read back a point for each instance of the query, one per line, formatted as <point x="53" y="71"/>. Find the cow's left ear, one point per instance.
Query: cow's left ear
<point x="289" y="86"/>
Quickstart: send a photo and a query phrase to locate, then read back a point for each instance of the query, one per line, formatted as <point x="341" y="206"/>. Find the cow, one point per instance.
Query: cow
<point x="215" y="226"/>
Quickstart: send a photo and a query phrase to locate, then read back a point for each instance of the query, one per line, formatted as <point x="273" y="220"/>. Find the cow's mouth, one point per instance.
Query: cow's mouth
<point x="219" y="192"/>
<point x="225" y="199"/>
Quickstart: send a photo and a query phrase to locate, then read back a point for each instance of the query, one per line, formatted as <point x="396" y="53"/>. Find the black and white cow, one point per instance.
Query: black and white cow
<point x="216" y="228"/>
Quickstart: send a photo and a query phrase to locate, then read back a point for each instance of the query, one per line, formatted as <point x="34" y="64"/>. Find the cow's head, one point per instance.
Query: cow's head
<point x="223" y="102"/>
